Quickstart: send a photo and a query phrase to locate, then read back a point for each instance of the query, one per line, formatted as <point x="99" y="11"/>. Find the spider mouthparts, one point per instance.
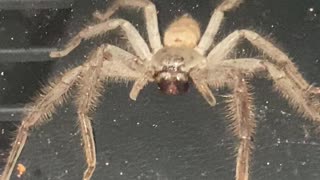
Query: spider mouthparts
<point x="173" y="87"/>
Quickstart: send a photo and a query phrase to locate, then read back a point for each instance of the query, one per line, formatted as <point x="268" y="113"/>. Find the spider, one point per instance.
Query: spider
<point x="184" y="57"/>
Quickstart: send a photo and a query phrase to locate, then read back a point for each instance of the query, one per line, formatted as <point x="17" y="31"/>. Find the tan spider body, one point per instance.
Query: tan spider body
<point x="185" y="58"/>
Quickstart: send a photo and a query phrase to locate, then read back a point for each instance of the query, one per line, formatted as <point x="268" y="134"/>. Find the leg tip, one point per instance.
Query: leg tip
<point x="55" y="54"/>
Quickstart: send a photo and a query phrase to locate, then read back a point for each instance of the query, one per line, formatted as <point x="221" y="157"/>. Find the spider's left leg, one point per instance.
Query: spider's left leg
<point x="150" y="14"/>
<point x="207" y="39"/>
<point x="243" y="124"/>
<point x="306" y="105"/>
<point x="280" y="59"/>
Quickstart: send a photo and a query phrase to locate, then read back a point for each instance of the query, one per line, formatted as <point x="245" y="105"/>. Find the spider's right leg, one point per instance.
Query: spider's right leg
<point x="138" y="44"/>
<point x="90" y="87"/>
<point x="207" y="39"/>
<point x="106" y="63"/>
<point x="150" y="14"/>
<point x="42" y="109"/>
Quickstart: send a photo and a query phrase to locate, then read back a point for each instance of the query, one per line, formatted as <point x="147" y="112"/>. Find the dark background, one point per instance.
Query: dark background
<point x="159" y="137"/>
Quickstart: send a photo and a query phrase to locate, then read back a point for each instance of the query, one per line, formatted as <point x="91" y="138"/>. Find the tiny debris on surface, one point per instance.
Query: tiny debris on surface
<point x="21" y="170"/>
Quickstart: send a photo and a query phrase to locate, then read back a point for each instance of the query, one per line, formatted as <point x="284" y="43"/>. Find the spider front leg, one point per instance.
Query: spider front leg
<point x="150" y="14"/>
<point x="243" y="125"/>
<point x="138" y="44"/>
<point x="42" y="109"/>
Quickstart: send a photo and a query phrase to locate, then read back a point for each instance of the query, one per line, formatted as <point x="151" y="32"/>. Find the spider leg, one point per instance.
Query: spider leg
<point x="305" y="103"/>
<point x="207" y="39"/>
<point x="108" y="62"/>
<point x="280" y="59"/>
<point x="138" y="44"/>
<point x="42" y="109"/>
<point x="243" y="125"/>
<point x="90" y="87"/>
<point x="150" y="14"/>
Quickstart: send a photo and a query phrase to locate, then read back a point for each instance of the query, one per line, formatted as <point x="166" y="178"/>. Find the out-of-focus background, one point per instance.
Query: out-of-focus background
<point x="157" y="137"/>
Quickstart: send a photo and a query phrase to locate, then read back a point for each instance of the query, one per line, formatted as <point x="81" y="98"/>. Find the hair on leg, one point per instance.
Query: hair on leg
<point x="304" y="101"/>
<point x="90" y="87"/>
<point x="243" y="125"/>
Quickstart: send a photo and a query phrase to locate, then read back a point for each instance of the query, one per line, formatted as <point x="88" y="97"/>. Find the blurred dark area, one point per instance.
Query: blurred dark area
<point x="157" y="137"/>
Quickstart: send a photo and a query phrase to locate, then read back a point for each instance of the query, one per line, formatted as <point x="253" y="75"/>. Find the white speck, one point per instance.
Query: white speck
<point x="311" y="9"/>
<point x="138" y="123"/>
<point x="156" y="159"/>
<point x="114" y="120"/>
<point x="12" y="115"/>
<point x="282" y="112"/>
<point x="107" y="163"/>
<point x="267" y="102"/>
<point x="272" y="26"/>
<point x="2" y="73"/>
<point x="155" y="125"/>
<point x="121" y="173"/>
<point x="126" y="162"/>
<point x="204" y="173"/>
<point x="2" y="131"/>
<point x="303" y="163"/>
<point x="268" y="163"/>
<point x="66" y="171"/>
<point x="12" y="38"/>
<point x="49" y="141"/>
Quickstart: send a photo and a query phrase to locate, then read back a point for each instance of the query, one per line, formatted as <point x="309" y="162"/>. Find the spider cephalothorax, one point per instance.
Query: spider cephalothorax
<point x="172" y="66"/>
<point x="183" y="57"/>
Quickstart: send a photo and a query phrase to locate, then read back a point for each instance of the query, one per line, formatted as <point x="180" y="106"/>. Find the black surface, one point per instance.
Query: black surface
<point x="34" y="4"/>
<point x="163" y="137"/>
